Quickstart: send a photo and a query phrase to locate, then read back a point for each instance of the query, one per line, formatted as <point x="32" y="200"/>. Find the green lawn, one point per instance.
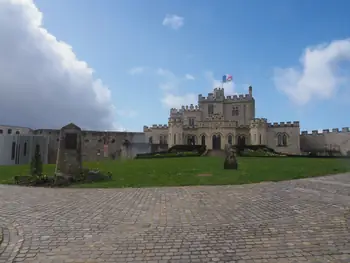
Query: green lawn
<point x="184" y="171"/>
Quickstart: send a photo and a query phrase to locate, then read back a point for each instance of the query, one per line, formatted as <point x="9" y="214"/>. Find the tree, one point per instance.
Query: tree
<point x="36" y="166"/>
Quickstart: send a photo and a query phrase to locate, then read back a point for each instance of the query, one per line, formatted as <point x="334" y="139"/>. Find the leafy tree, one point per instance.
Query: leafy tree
<point x="36" y="166"/>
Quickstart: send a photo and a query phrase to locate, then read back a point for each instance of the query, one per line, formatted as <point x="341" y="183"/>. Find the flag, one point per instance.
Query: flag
<point x="226" y="78"/>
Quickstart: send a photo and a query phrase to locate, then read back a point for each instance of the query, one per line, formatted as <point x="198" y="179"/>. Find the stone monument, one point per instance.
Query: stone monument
<point x="69" y="153"/>
<point x="230" y="160"/>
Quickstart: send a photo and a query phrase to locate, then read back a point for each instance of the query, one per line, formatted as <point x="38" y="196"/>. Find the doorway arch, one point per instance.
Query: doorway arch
<point x="216" y="142"/>
<point x="241" y="140"/>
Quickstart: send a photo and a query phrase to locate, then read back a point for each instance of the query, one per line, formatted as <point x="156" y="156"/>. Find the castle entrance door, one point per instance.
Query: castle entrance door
<point x="241" y="141"/>
<point x="216" y="142"/>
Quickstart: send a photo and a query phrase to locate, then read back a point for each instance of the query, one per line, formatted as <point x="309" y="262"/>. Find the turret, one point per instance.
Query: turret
<point x="250" y="90"/>
<point x="175" y="131"/>
<point x="258" y="131"/>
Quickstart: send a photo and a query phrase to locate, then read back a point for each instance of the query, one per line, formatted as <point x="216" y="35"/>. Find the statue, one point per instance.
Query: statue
<point x="230" y="160"/>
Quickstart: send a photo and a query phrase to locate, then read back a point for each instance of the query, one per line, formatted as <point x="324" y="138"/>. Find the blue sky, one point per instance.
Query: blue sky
<point x="144" y="62"/>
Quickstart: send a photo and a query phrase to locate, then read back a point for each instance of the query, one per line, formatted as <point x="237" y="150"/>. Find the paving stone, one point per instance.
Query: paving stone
<point x="304" y="220"/>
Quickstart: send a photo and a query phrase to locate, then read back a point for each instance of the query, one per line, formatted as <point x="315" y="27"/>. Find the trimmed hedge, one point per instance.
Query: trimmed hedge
<point x="167" y="155"/>
<point x="175" y="151"/>
<point x="187" y="148"/>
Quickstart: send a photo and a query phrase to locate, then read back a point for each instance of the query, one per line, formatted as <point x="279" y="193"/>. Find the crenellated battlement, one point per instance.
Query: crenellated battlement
<point x="218" y="89"/>
<point x="258" y="121"/>
<point x="284" y="124"/>
<point x="234" y="98"/>
<point x="240" y="97"/>
<point x="175" y="120"/>
<point x="190" y="108"/>
<point x="326" y="131"/>
<point x="154" y="127"/>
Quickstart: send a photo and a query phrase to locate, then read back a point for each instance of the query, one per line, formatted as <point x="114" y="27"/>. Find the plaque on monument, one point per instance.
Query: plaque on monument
<point x="71" y="141"/>
<point x="69" y="154"/>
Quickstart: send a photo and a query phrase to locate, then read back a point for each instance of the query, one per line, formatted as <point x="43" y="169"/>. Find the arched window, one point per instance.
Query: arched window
<point x="174" y="139"/>
<point x="229" y="139"/>
<point x="203" y="139"/>
<point x="284" y="139"/>
<point x="150" y="140"/>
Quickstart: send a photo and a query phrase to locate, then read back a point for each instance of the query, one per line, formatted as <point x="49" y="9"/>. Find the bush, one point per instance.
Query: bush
<point x="188" y="148"/>
<point x="167" y="155"/>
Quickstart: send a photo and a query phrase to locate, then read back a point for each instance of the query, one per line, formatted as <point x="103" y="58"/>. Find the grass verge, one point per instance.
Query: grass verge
<point x="185" y="171"/>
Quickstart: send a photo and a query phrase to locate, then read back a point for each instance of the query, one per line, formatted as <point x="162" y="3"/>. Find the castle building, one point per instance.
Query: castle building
<point x="216" y="121"/>
<point x="219" y="120"/>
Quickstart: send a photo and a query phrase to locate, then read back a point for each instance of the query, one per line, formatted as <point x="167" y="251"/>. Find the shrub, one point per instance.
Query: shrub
<point x="188" y="148"/>
<point x="168" y="155"/>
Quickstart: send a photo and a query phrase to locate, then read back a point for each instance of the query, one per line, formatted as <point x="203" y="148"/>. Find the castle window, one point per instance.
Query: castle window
<point x="150" y="140"/>
<point x="210" y="109"/>
<point x="165" y="140"/>
<point x="191" y="121"/>
<point x="282" y="139"/>
<point x="1" y="131"/>
<point x="17" y="132"/>
<point x="260" y="139"/>
<point x="25" y="149"/>
<point x="9" y="131"/>
<point x="229" y="139"/>
<point x="235" y="111"/>
<point x="161" y="139"/>
<point x="174" y="138"/>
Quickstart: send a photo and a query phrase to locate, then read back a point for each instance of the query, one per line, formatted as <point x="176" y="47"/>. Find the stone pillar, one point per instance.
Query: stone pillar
<point x="69" y="153"/>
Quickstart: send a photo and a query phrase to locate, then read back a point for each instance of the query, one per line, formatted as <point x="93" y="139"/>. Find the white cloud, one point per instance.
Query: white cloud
<point x="42" y="82"/>
<point x="173" y="21"/>
<point x="170" y="84"/>
<point x="136" y="70"/>
<point x="189" y="77"/>
<point x="127" y="113"/>
<point x="176" y="101"/>
<point x="229" y="87"/>
<point x="319" y="76"/>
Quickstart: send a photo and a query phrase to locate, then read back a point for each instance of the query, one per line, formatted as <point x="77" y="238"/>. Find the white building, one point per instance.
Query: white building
<point x="18" y="145"/>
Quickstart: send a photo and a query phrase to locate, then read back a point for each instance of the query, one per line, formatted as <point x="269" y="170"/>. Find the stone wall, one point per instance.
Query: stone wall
<point x="291" y="130"/>
<point x="334" y="139"/>
<point x="20" y="149"/>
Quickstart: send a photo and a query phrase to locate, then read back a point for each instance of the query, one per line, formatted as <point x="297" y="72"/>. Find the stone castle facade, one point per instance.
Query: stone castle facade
<point x="218" y="120"/>
<point x="17" y="144"/>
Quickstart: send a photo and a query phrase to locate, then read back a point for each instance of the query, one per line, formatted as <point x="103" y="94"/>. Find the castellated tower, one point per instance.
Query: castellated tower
<point x="175" y="131"/>
<point x="258" y="131"/>
<point x="219" y="94"/>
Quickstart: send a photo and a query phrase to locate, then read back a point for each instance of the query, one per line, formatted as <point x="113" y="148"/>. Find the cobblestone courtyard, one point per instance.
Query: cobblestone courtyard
<point x="296" y="221"/>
